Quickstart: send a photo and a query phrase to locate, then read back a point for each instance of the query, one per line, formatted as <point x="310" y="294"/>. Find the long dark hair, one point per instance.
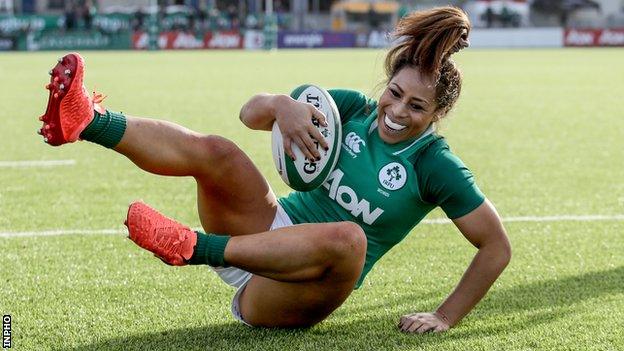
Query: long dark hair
<point x="427" y="39"/>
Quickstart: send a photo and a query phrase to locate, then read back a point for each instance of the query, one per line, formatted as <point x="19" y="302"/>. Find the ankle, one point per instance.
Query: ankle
<point x="105" y="129"/>
<point x="210" y="249"/>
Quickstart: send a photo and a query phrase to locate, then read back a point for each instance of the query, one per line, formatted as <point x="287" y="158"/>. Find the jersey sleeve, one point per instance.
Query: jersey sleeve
<point x="445" y="181"/>
<point x="351" y="103"/>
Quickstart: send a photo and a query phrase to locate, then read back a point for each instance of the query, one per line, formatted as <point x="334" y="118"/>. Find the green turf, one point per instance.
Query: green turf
<point x="541" y="129"/>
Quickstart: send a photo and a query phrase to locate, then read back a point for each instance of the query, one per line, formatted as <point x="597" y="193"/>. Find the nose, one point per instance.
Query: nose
<point x="399" y="110"/>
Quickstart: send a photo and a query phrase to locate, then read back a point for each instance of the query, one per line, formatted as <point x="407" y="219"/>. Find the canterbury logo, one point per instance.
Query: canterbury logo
<point x="353" y="142"/>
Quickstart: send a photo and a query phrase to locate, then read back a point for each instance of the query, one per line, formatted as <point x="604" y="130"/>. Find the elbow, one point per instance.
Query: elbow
<point x="242" y="115"/>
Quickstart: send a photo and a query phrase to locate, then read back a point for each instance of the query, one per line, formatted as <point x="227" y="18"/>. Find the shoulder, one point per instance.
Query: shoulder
<point x="446" y="181"/>
<point x="438" y="162"/>
<point x="343" y="94"/>
<point x="351" y="103"/>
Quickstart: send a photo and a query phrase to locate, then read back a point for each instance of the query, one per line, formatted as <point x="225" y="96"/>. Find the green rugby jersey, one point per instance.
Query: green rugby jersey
<point x="385" y="188"/>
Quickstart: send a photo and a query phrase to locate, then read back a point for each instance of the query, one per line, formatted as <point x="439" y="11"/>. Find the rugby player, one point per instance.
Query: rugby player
<point x="294" y="260"/>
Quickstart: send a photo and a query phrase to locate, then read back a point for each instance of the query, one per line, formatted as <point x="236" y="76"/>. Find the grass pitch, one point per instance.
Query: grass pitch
<point x="541" y="130"/>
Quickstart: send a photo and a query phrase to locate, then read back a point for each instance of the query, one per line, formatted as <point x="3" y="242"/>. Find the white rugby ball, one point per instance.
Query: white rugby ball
<point x="304" y="174"/>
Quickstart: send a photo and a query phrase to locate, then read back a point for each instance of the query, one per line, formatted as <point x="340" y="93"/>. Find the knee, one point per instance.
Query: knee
<point x="348" y="241"/>
<point x="217" y="148"/>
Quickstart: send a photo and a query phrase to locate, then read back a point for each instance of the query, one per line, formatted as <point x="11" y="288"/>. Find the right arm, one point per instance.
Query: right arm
<point x="293" y="117"/>
<point x="259" y="112"/>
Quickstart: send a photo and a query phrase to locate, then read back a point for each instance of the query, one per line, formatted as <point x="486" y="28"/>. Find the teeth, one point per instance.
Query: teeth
<point x="392" y="125"/>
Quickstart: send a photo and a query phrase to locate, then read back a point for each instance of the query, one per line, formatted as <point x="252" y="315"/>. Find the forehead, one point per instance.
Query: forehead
<point x="413" y="83"/>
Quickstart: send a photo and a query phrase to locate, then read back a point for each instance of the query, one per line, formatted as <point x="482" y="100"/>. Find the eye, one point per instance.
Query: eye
<point x="394" y="93"/>
<point x="416" y="107"/>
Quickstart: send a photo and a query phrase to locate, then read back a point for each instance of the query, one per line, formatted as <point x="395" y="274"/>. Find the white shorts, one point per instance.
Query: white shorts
<point x="239" y="278"/>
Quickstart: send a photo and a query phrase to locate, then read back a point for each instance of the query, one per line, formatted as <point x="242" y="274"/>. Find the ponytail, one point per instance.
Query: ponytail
<point x="427" y="39"/>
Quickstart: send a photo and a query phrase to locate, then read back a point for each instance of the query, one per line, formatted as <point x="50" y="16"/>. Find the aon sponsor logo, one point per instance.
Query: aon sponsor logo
<point x="348" y="199"/>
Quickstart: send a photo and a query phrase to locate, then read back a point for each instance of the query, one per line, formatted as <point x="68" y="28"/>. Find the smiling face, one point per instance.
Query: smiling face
<point x="407" y="106"/>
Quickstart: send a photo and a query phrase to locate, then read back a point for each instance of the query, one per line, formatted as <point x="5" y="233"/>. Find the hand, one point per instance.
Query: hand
<point x="295" y="122"/>
<point x="423" y="322"/>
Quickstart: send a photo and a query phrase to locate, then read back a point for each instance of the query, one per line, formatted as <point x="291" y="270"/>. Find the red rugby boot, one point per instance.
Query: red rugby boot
<point x="70" y="108"/>
<point x="169" y="240"/>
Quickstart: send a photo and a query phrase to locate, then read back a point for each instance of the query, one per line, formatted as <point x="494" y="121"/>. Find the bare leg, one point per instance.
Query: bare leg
<point x="302" y="273"/>
<point x="233" y="196"/>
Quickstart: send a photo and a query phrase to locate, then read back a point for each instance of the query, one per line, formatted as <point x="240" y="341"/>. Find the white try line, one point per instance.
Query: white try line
<point x="40" y="163"/>
<point x="561" y="218"/>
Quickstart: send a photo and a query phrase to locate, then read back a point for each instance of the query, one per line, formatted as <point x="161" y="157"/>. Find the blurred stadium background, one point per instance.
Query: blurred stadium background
<point x="254" y="24"/>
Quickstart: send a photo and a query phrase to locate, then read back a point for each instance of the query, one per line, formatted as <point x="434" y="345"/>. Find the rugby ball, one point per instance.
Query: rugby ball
<point x="304" y="174"/>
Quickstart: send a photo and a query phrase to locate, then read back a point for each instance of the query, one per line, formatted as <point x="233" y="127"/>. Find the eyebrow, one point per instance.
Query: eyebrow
<point x="413" y="97"/>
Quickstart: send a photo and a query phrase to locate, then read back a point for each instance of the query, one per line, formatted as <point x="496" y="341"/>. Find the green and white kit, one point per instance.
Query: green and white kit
<point x="385" y="188"/>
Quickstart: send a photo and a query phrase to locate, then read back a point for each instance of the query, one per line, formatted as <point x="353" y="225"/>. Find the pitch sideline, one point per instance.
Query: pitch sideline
<point x="559" y="218"/>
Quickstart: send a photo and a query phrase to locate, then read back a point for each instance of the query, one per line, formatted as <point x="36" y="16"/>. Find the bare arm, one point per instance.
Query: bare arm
<point x="293" y="117"/>
<point x="259" y="112"/>
<point x="483" y="228"/>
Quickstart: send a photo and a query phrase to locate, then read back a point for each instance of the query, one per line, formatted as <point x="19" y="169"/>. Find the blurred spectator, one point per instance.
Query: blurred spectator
<point x="70" y="15"/>
<point x="202" y="16"/>
<point x="138" y="21"/>
<point x="251" y="21"/>
<point x="162" y="13"/>
<point x="191" y="18"/>
<point x="232" y="15"/>
<point x="506" y="17"/>
<point x="563" y="18"/>
<point x="489" y="16"/>
<point x="373" y="18"/>
<point x="88" y="12"/>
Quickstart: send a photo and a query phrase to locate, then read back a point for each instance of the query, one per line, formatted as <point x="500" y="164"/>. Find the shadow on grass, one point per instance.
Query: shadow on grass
<point x="540" y="303"/>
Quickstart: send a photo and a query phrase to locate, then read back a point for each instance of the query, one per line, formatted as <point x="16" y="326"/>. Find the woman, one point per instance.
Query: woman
<point x="296" y="259"/>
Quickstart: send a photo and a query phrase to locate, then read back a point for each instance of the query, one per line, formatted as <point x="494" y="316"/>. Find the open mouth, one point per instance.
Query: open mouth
<point x="393" y="127"/>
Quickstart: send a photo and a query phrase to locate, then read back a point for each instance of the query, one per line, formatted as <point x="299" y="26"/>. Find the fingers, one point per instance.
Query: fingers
<point x="314" y="133"/>
<point x="319" y="116"/>
<point x="308" y="147"/>
<point x="305" y="143"/>
<point x="305" y="134"/>
<point x="421" y="323"/>
<point x="288" y="148"/>
<point x="318" y="119"/>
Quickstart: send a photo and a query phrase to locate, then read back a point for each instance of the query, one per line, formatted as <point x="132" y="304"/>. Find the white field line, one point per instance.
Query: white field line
<point x="561" y="218"/>
<point x="41" y="163"/>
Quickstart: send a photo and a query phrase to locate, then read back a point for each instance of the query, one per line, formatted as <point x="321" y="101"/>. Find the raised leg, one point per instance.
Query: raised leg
<point x="233" y="196"/>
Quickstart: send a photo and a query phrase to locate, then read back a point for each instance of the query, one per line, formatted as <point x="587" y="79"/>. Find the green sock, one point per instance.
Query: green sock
<point x="105" y="129"/>
<point x="210" y="249"/>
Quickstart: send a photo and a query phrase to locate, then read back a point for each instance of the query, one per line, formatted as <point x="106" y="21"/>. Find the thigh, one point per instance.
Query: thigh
<point x="270" y="303"/>
<point x="233" y="196"/>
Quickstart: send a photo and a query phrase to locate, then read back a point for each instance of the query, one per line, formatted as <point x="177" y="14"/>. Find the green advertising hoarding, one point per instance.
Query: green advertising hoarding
<point x="76" y="40"/>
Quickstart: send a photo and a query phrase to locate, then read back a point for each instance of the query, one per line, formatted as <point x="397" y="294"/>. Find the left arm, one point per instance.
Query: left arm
<point x="483" y="228"/>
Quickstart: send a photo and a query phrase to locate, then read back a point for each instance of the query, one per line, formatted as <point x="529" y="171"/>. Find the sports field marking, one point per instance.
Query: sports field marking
<point x="561" y="218"/>
<point x="41" y="163"/>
